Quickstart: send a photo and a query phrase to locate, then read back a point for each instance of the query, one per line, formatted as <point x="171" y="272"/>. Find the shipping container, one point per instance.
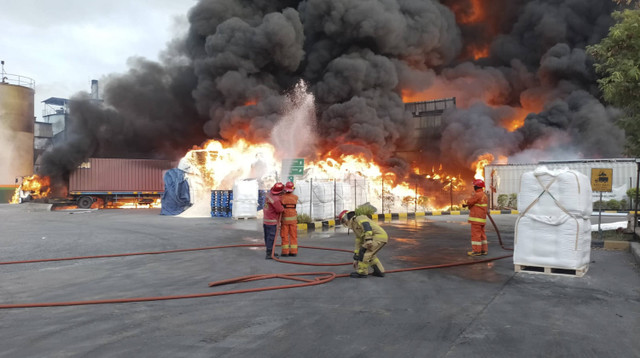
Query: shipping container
<point x="505" y="178"/>
<point x="118" y="180"/>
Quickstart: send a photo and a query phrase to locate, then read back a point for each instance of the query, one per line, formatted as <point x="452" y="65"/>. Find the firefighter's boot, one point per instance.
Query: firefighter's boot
<point x="362" y="272"/>
<point x="377" y="272"/>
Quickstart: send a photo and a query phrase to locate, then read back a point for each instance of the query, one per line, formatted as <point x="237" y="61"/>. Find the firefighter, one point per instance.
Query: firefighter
<point x="272" y="211"/>
<point x="477" y="205"/>
<point x="289" y="224"/>
<point x="370" y="238"/>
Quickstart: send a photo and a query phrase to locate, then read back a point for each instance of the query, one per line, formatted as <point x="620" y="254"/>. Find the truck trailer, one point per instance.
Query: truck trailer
<point x="117" y="180"/>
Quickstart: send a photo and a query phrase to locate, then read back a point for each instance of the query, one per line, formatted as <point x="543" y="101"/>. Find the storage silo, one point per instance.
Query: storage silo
<point x="16" y="132"/>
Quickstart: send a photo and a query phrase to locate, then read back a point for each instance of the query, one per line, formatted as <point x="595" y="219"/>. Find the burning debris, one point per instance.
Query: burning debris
<point x="33" y="187"/>
<point x="525" y="89"/>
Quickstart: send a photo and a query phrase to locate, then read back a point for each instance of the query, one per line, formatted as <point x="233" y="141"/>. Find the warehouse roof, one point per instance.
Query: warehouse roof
<point x="56" y="101"/>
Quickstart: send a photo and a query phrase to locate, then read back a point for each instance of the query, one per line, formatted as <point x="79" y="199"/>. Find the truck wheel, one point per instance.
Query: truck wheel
<point x="84" y="202"/>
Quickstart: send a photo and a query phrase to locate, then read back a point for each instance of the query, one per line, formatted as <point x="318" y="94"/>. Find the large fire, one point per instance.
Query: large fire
<point x="32" y="187"/>
<point x="217" y="165"/>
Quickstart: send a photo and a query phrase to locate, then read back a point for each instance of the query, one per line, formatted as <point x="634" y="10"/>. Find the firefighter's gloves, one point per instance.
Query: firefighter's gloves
<point x="355" y="256"/>
<point x="361" y="254"/>
<point x="368" y="244"/>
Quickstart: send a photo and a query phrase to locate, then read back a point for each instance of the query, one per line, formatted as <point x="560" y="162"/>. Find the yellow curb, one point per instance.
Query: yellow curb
<point x="616" y="245"/>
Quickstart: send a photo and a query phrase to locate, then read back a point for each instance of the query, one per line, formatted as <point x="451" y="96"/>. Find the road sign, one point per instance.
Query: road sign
<point x="296" y="166"/>
<point x="299" y="162"/>
<point x="290" y="178"/>
<point x="601" y="179"/>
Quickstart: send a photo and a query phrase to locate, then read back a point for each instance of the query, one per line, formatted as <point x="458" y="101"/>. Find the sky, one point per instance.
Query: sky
<point x="63" y="45"/>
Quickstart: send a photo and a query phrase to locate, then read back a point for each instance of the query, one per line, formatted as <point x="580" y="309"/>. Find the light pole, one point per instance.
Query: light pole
<point x="451" y="180"/>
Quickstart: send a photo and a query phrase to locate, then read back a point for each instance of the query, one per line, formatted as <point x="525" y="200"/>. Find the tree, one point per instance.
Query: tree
<point x="617" y="61"/>
<point x="635" y="3"/>
<point x="503" y="200"/>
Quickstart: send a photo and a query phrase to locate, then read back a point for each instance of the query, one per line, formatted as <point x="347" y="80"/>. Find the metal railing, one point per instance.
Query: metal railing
<point x="18" y="80"/>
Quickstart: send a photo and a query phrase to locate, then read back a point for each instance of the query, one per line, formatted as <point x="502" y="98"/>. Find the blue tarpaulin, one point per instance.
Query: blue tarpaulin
<point x="175" y="198"/>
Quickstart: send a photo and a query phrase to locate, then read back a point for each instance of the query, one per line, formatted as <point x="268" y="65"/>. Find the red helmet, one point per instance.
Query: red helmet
<point x="277" y="188"/>
<point x="345" y="216"/>
<point x="479" y="183"/>
<point x="289" y="187"/>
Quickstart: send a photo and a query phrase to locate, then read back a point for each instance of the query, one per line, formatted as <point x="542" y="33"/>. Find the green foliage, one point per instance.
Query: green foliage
<point x="599" y="205"/>
<point x="633" y="3"/>
<point x="624" y="204"/>
<point x="503" y="200"/>
<point x="613" y="204"/>
<point x="513" y="200"/>
<point x="304" y="219"/>
<point x="631" y="193"/>
<point x="618" y="64"/>
<point x="365" y="209"/>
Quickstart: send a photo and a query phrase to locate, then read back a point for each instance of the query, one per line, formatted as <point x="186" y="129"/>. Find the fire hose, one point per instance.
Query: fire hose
<point x="318" y="278"/>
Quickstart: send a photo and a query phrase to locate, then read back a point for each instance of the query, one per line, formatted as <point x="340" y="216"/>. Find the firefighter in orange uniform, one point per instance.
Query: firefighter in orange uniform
<point x="289" y="224"/>
<point x="478" y="218"/>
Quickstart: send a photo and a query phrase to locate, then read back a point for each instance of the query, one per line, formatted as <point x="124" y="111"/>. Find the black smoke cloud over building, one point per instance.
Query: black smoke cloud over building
<point x="228" y="78"/>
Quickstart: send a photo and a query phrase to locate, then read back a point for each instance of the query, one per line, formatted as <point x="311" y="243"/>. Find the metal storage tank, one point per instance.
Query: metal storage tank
<point x="16" y="132"/>
<point x="506" y="177"/>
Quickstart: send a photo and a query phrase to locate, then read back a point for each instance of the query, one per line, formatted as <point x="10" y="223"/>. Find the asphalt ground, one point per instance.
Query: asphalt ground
<point x="479" y="310"/>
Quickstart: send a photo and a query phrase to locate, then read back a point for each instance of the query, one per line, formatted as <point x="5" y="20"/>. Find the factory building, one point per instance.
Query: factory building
<point x="16" y="131"/>
<point x="51" y="129"/>
<point x="428" y="123"/>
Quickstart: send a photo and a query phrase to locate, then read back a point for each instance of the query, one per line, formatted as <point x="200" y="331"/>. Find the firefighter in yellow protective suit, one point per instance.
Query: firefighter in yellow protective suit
<point x="370" y="238"/>
<point x="289" y="224"/>
<point x="477" y="205"/>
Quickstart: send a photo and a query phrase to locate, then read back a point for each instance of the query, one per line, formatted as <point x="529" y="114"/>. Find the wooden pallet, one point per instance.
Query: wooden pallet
<point x="552" y="270"/>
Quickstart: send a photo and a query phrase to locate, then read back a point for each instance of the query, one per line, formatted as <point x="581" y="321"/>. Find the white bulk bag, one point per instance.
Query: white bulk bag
<point x="245" y="189"/>
<point x="567" y="191"/>
<point x="557" y="242"/>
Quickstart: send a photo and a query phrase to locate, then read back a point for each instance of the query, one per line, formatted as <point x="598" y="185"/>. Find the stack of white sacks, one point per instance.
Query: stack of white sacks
<point x="554" y="226"/>
<point x="245" y="199"/>
<point x="323" y="200"/>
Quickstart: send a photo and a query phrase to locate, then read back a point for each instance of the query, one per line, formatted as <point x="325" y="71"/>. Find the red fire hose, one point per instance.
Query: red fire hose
<point x="318" y="277"/>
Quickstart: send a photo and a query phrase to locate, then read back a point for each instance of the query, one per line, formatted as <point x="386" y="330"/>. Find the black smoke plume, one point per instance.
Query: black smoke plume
<point x="228" y="78"/>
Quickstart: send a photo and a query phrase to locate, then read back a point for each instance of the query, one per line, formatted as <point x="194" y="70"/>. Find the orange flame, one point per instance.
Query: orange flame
<point x="480" y="163"/>
<point x="38" y="187"/>
<point x="471" y="15"/>
<point x="479" y="52"/>
<point x="218" y="165"/>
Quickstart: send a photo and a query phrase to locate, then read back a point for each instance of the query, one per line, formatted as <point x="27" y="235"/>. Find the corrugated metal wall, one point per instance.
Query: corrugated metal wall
<point x="119" y="175"/>
<point x="506" y="177"/>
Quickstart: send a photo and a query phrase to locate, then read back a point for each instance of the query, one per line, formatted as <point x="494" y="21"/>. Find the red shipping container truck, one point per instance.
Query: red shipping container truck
<point x="116" y="180"/>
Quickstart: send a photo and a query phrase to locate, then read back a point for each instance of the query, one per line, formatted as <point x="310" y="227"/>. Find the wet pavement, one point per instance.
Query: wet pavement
<point x="480" y="310"/>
